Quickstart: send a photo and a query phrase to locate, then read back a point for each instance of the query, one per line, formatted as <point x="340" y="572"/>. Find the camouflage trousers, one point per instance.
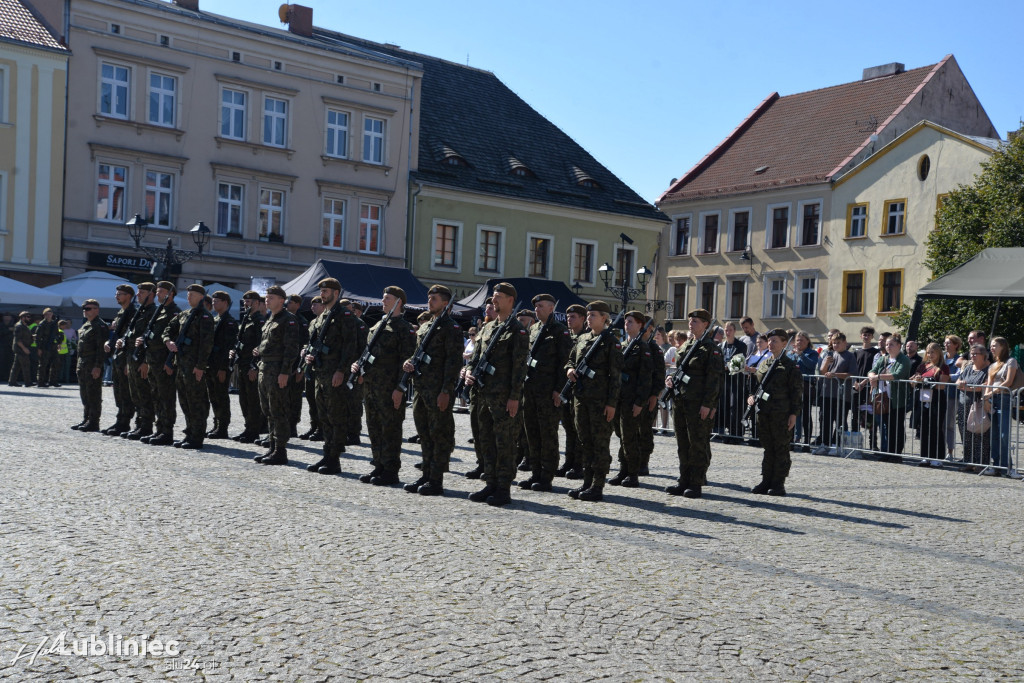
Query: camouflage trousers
<point x="164" y="393"/>
<point x="91" y="391"/>
<point x="332" y="410"/>
<point x="647" y="419"/>
<point x="295" y="387"/>
<point x="627" y="428"/>
<point x="310" y="386"/>
<point x="142" y="396"/>
<point x="495" y="443"/>
<point x="541" y="420"/>
<point x="474" y="427"/>
<point x="49" y="367"/>
<point x="776" y="437"/>
<point x="572" y="440"/>
<point x="122" y="392"/>
<point x="274" y="402"/>
<point x="693" y="443"/>
<point x="249" y="401"/>
<point x="384" y="425"/>
<point x="355" y="411"/>
<point x="220" y="398"/>
<point x="195" y="403"/>
<point x="595" y="434"/>
<point x="437" y="433"/>
<point x="21" y="370"/>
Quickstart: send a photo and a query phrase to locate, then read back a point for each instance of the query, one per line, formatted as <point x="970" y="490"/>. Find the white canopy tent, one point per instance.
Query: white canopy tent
<point x="18" y="295"/>
<point x="95" y="284"/>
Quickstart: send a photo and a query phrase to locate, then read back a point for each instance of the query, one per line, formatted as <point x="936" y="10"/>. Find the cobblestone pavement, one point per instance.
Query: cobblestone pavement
<point x="866" y="571"/>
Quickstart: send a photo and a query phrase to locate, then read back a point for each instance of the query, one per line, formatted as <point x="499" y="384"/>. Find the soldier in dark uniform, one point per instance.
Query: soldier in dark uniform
<point x="298" y="381"/>
<point x="576" y="322"/>
<point x="542" y="407"/>
<point x="355" y="394"/>
<point x="780" y="404"/>
<point x="474" y="414"/>
<point x="279" y="346"/>
<point x="634" y="395"/>
<point x="692" y="412"/>
<point x="119" y="361"/>
<point x="225" y="332"/>
<point x="138" y="381"/>
<point x="161" y="376"/>
<point x="651" y="409"/>
<point x="527" y="319"/>
<point x="595" y="396"/>
<point x="189" y="336"/>
<point x="21" y="371"/>
<point x="316" y="306"/>
<point x="333" y="350"/>
<point x="6" y="344"/>
<point x="247" y="377"/>
<point x="47" y="341"/>
<point x="385" y="404"/>
<point x="497" y="396"/>
<point x="432" y="409"/>
<point x="91" y="357"/>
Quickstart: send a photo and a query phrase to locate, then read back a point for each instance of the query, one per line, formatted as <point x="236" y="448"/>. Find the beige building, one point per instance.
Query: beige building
<point x="288" y="144"/>
<point x="883" y="212"/>
<point x="33" y="75"/>
<point x="752" y="231"/>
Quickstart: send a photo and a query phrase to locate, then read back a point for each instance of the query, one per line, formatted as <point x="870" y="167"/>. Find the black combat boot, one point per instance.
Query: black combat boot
<point x="269" y="453"/>
<point x="414" y="486"/>
<point x="138" y="433"/>
<point x="160" y="440"/>
<point x="593" y="494"/>
<point x="482" y="495"/>
<point x="676" y="489"/>
<point x="777" y="490"/>
<point x="115" y="429"/>
<point x="618" y="478"/>
<point x="246" y="436"/>
<point x="499" y="497"/>
<point x="527" y="484"/>
<point x="543" y="484"/>
<point x="78" y="426"/>
<point x="761" y="488"/>
<point x="574" y="473"/>
<point x="279" y="457"/>
<point x="434" y="487"/>
<point x="475" y="473"/>
<point x="315" y="467"/>
<point x="332" y="466"/>
<point x="385" y="479"/>
<point x="192" y="445"/>
<point x="217" y="433"/>
<point x="306" y="435"/>
<point x="368" y="477"/>
<point x="588" y="480"/>
<point x="692" y="492"/>
<point x="630" y="482"/>
<point x="318" y="435"/>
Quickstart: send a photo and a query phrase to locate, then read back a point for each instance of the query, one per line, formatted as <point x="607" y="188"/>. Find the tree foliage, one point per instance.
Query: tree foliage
<point x="989" y="213"/>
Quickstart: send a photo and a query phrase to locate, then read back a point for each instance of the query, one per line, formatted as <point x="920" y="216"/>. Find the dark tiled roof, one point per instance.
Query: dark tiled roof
<point x="494" y="131"/>
<point x="799" y="139"/>
<point x="20" y="25"/>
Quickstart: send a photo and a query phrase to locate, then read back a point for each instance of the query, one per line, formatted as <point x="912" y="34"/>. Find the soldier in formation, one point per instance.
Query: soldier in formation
<point x="225" y="334"/>
<point x="47" y="339"/>
<point x="279" y="346"/>
<point x="21" y="370"/>
<point x="576" y="322"/>
<point x="634" y="393"/>
<point x="778" y="400"/>
<point x="297" y="383"/>
<point x="137" y="370"/>
<point x="189" y="339"/>
<point x="316" y="307"/>
<point x="91" y="357"/>
<point x="159" y="373"/>
<point x="250" y="331"/>
<point x="114" y="347"/>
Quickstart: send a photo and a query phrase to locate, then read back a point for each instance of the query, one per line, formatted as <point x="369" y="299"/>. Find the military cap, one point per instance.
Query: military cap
<point x="526" y="313"/>
<point x="126" y="289"/>
<point x="164" y="284"/>
<point x="488" y="301"/>
<point x="505" y="288"/>
<point x="576" y="308"/>
<point x="394" y="291"/>
<point x="777" y="332"/>
<point x="277" y="290"/>
<point x="222" y="295"/>
<point x="198" y="289"/>
<point x="599" y="306"/>
<point x="316" y="300"/>
<point x="88" y="302"/>
<point x="47" y="310"/>
<point x="24" y="314"/>
<point x="442" y="290"/>
<point x="345" y="302"/>
<point x="638" y="316"/>
<point x="543" y="297"/>
<point x="147" y="286"/>
<point x="252" y="294"/>
<point x="329" y="283"/>
<point x="700" y="313"/>
<point x="295" y="299"/>
<point x="358" y="304"/>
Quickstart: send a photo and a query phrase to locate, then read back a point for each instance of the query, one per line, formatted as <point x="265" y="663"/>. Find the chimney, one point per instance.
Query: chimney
<point x="890" y="69"/>
<point x="299" y="19"/>
<point x="188" y="4"/>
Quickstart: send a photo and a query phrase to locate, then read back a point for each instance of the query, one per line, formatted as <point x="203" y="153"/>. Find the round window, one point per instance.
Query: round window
<point x="923" y="166"/>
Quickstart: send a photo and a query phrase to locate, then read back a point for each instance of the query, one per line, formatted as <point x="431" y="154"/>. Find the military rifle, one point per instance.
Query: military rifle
<point x="367" y="357"/>
<point x="761" y="395"/>
<point x="317" y="347"/>
<point x="421" y="357"/>
<point x="183" y="340"/>
<point x="679" y="377"/>
<point x="531" y="362"/>
<point x="239" y="345"/>
<point x="583" y="369"/>
<point x="124" y="324"/>
<point x="483" y="364"/>
<point x="139" y="354"/>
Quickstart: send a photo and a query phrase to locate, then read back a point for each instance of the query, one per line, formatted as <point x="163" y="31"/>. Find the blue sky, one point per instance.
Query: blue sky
<point x="649" y="87"/>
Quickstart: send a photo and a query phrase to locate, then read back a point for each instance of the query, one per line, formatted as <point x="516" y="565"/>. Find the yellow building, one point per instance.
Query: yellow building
<point x="33" y="75"/>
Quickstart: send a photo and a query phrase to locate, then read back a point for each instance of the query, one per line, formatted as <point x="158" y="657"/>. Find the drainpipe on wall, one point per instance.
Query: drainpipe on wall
<point x="411" y="229"/>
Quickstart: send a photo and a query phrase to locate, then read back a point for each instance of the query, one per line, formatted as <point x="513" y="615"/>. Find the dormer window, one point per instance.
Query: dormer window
<point x="518" y="168"/>
<point x="447" y="155"/>
<point x="584" y="179"/>
<point x="455" y="160"/>
<point x="588" y="183"/>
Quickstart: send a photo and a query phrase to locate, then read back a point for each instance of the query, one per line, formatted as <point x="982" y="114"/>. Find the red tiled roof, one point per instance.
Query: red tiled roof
<point x="800" y="139"/>
<point x="19" y="24"/>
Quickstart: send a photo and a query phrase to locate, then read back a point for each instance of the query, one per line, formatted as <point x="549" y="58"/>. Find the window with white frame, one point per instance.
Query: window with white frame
<point x="370" y="221"/>
<point x="895" y="216"/>
<point x="777" y="231"/>
<point x="810" y="223"/>
<point x="163" y="92"/>
<point x="806" y="303"/>
<point x="775" y="297"/>
<point x="447" y="239"/>
<point x="538" y="255"/>
<point x="625" y="266"/>
<point x="333" y="224"/>
<point x="373" y="140"/>
<point x="114" y="90"/>
<point x="739" y="229"/>
<point x="271" y="216"/>
<point x="736" y="306"/>
<point x="159" y="198"/>
<point x="229" y="209"/>
<point x="111" y="183"/>
<point x="679" y="290"/>
<point x="337" y="134"/>
<point x="275" y="122"/>
<point x="708" y="289"/>
<point x="232" y="114"/>
<point x="709" y="233"/>
<point x="489" y="248"/>
<point x="584" y="261"/>
<point x="681" y="236"/>
<point x="856" y="221"/>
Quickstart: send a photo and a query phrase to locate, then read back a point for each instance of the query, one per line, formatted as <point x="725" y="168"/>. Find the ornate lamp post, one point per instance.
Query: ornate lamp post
<point x="624" y="293"/>
<point x="164" y="259"/>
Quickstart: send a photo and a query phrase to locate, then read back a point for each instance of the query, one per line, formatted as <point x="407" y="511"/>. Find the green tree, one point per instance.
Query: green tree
<point x="989" y="213"/>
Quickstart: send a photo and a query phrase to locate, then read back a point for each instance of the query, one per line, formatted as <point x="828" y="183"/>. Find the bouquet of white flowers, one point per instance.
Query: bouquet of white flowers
<point x="735" y="364"/>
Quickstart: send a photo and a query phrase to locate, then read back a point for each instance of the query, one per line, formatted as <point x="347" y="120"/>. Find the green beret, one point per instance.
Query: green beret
<point x="147" y="286"/>
<point x="277" y="290"/>
<point x="222" y="295"/>
<point x="778" y="332"/>
<point x="700" y="313"/>
<point x="164" y="284"/>
<point x="526" y="313"/>
<point x="329" y="283"/>
<point x="394" y="291"/>
<point x="126" y="289"/>
<point x="442" y="290"/>
<point x="199" y="289"/>
<point x="599" y="306"/>
<point x="317" y="300"/>
<point x="577" y="309"/>
<point x="542" y="297"/>
<point x="505" y="288"/>
<point x="253" y="295"/>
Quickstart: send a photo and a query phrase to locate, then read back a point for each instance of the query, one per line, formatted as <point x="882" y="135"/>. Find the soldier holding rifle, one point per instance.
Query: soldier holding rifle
<point x="247" y="380"/>
<point x="138" y="382"/>
<point x="225" y="332"/>
<point x="189" y="338"/>
<point x="777" y="401"/>
<point x="161" y="377"/>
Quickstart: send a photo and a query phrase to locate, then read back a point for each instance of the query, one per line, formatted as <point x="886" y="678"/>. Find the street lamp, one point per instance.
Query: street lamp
<point x="164" y="259"/>
<point x="577" y="288"/>
<point x="624" y="293"/>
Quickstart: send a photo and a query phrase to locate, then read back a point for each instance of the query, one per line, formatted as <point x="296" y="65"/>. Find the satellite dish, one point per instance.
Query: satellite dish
<point x="283" y="11"/>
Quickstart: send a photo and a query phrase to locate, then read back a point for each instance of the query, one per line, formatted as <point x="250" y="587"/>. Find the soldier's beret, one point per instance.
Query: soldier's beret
<point x="87" y="302"/>
<point x="252" y="294"/>
<point x="316" y="300"/>
<point x="345" y="302"/>
<point x="599" y="306"/>
<point x="505" y="288"/>
<point x="147" y="286"/>
<point x="488" y="301"/>
<point x="395" y="291"/>
<point x="526" y="313"/>
<point x="542" y="297"/>
<point x="126" y="289"/>
<point x="222" y="295"/>
<point x="329" y="283"/>
<point x="277" y="290"/>
<point x="637" y="316"/>
<point x="47" y="310"/>
<point x="442" y="290"/>
<point x="700" y="313"/>
<point x="778" y="332"/>
<point x="24" y="314"/>
<point x="198" y="289"/>
<point x="358" y="305"/>
<point x="295" y="299"/>
<point x="577" y="309"/>
<point x="164" y="284"/>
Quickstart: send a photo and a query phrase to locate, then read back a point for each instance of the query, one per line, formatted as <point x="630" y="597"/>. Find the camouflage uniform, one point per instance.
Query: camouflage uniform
<point x="192" y="331"/>
<point x="437" y="428"/>
<point x="161" y="383"/>
<point x="141" y="391"/>
<point x="47" y="342"/>
<point x="693" y="435"/>
<point x="545" y="376"/>
<point x="784" y="391"/>
<point x="91" y="338"/>
<point x="635" y="391"/>
<point x="225" y="331"/>
<point x="648" y="417"/>
<point x="249" y="334"/>
<point x="572" y="439"/>
<point x="396" y="342"/>
<point x="337" y="353"/>
<point x="496" y="430"/>
<point x="354" y="396"/>
<point x="309" y="383"/>
<point x="295" y="385"/>
<point x="590" y="397"/>
<point x="119" y="367"/>
<point x="21" y="371"/>
<point x="279" y="346"/>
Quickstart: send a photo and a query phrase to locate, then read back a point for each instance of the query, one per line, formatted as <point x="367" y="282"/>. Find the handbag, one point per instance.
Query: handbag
<point x="880" y="404"/>
<point x="978" y="421"/>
